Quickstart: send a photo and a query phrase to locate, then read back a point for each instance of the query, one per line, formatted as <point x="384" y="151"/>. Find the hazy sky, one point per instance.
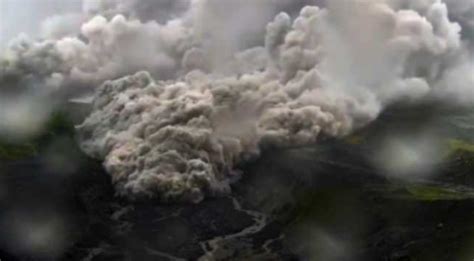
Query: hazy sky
<point x="25" y="16"/>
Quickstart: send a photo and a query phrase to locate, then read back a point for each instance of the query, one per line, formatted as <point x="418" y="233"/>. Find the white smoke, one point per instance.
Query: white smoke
<point x="224" y="89"/>
<point x="409" y="157"/>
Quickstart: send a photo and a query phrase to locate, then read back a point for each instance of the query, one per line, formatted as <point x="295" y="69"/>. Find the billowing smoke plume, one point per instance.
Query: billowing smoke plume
<point x="217" y="90"/>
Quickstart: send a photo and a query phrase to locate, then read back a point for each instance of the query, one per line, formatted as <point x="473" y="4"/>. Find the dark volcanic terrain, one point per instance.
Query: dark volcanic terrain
<point x="322" y="203"/>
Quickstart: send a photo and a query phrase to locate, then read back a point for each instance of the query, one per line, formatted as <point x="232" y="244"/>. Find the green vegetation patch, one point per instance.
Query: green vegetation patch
<point x="435" y="193"/>
<point x="57" y="125"/>
<point x="17" y="151"/>
<point x="455" y="145"/>
<point x="424" y="192"/>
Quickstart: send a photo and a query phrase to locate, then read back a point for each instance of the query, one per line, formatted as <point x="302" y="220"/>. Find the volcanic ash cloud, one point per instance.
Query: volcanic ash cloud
<point x="179" y="140"/>
<point x="212" y="90"/>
